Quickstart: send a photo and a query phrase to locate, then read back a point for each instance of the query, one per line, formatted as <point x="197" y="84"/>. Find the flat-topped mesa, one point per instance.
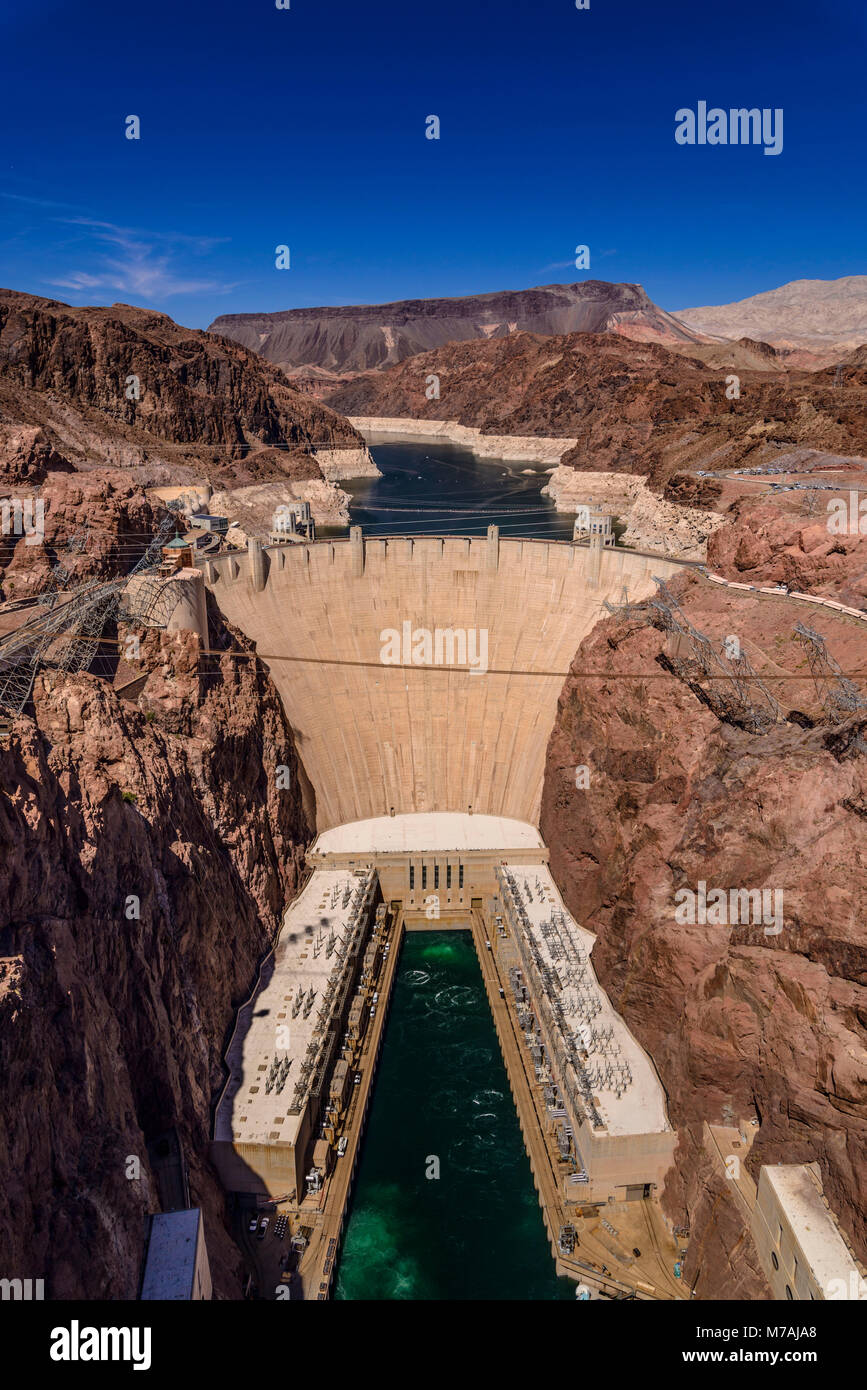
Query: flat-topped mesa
<point x="356" y="337"/>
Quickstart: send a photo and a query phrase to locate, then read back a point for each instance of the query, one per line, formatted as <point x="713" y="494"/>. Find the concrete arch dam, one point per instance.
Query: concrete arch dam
<point x="374" y="737"/>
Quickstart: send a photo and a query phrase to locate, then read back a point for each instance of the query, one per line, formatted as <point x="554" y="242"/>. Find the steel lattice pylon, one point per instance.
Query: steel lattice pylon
<point x="838" y="695"/>
<point x="735" y="692"/>
<point x="68" y="635"/>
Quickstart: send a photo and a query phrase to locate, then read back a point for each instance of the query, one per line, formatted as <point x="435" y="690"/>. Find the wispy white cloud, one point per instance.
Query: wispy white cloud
<point x="567" y="265"/>
<point x="35" y="202"/>
<point x="140" y="263"/>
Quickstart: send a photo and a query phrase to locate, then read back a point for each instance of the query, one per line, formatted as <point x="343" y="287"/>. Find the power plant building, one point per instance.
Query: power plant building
<point x="602" y="1092"/>
<point x="176" y="1261"/>
<point x="284" y="1057"/>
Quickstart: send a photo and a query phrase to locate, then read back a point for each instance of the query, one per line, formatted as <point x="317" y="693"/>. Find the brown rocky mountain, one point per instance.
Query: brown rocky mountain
<point x="768" y="543"/>
<point x="68" y="371"/>
<point x="111" y="1025"/>
<point x="811" y="314"/>
<point x="362" y="336"/>
<point x="71" y="425"/>
<point x="633" y="407"/>
<point x="739" y="1024"/>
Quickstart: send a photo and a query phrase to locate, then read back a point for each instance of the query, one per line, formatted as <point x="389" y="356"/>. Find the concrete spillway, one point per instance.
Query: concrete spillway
<point x="376" y="738"/>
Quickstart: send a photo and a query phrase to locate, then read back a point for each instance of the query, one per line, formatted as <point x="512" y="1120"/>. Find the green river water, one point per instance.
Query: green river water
<point x="476" y="1231"/>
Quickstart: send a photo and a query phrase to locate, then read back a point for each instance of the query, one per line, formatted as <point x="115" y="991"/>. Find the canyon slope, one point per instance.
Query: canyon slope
<point x="742" y="1026"/>
<point x="632" y="407"/>
<point x="820" y="315"/>
<point x="356" y="338"/>
<point x="146" y="849"/>
<point x="146" y="854"/>
<point x="98" y="404"/>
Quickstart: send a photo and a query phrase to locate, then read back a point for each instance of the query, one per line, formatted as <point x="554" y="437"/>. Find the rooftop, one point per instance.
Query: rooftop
<point x="281" y="1032"/>
<point x="812" y="1225"/>
<point x="171" y="1255"/>
<point x="428" y="832"/>
<point x="626" y="1090"/>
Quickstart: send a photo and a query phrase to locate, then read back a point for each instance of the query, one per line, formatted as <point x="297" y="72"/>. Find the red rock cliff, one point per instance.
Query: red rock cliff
<point x="112" y="1027"/>
<point x="738" y="1023"/>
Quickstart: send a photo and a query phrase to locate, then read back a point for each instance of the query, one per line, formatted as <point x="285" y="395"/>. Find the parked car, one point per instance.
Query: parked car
<point x="356" y="1080"/>
<point x="341" y="1147"/>
<point x="263" y="1228"/>
<point x="254" y="1221"/>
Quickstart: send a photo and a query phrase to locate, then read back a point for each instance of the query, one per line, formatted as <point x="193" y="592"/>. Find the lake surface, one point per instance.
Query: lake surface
<point x="441" y="489"/>
<point x="476" y="1231"/>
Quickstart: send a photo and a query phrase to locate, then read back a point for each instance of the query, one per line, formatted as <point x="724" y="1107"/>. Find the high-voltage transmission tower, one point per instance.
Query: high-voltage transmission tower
<point x="839" y="696"/>
<point x="59" y="576"/>
<point x="67" y="636"/>
<point x="734" y="691"/>
<point x="623" y="609"/>
<point x="148" y="599"/>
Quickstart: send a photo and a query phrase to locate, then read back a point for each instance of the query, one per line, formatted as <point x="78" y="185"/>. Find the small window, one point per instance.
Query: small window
<point x="789" y="1295"/>
<point x="774" y="1261"/>
<point x="411" y="877"/>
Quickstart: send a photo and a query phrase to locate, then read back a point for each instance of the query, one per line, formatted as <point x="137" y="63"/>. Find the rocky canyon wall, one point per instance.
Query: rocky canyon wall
<point x="146" y="852"/>
<point x="740" y="1024"/>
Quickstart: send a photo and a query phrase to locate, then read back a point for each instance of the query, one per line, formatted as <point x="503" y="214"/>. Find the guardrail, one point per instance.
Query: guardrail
<point x="780" y="591"/>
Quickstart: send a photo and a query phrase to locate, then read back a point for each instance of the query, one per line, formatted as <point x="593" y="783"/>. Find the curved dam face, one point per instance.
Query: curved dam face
<point x="496" y="622"/>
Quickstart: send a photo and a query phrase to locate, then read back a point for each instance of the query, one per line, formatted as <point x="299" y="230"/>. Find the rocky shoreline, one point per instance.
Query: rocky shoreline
<point x="337" y="464"/>
<point x="652" y="523"/>
<point x="378" y="429"/>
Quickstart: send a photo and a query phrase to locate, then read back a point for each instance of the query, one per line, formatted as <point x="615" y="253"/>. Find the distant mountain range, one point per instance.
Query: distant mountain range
<point x="819" y="315"/>
<point x="633" y="407"/>
<point x="333" y="341"/>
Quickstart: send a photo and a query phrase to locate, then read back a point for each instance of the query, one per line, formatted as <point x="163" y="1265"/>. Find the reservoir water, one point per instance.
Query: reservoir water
<point x="441" y="489"/>
<point x="442" y="1103"/>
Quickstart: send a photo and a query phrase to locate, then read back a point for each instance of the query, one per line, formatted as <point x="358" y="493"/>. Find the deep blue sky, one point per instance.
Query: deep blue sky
<point x="306" y="127"/>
